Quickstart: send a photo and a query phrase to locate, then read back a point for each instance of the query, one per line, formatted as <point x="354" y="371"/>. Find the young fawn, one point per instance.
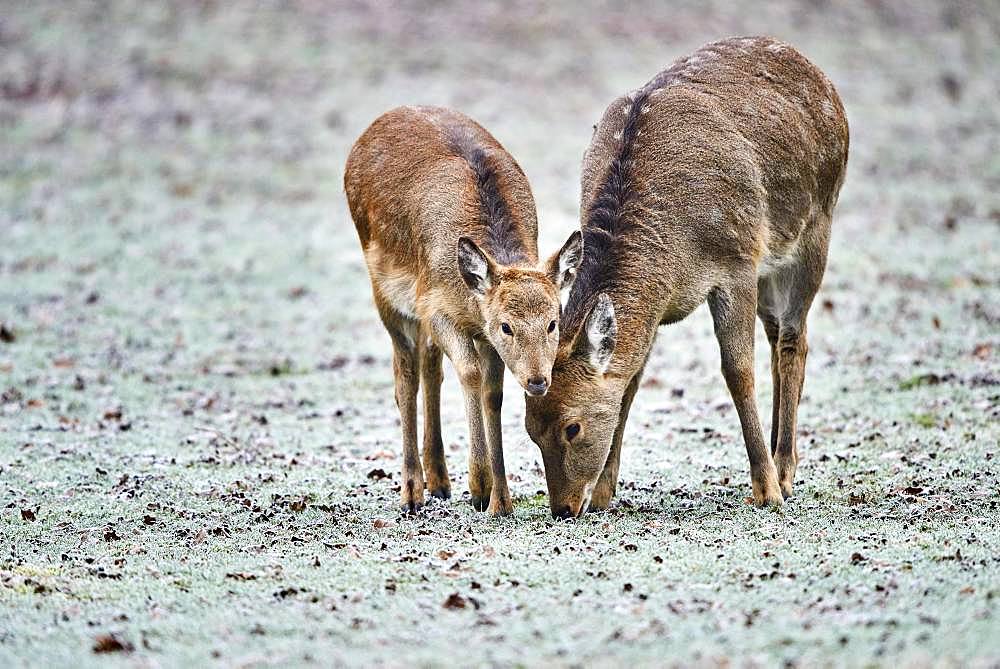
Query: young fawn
<point x="448" y="227"/>
<point x="715" y="181"/>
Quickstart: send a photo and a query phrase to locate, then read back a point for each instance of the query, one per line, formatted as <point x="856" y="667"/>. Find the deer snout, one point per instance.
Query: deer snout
<point x="537" y="385"/>
<point x="563" y="513"/>
<point x="566" y="511"/>
<point x="574" y="507"/>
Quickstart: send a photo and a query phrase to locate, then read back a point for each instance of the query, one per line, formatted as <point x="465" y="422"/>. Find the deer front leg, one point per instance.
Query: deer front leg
<point x="607" y="484"/>
<point x="492" y="401"/>
<point x="406" y="370"/>
<point x="463" y="355"/>
<point x="733" y="313"/>
<point x="435" y="467"/>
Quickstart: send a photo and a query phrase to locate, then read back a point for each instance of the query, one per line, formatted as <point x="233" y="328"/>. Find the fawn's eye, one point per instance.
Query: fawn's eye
<point x="552" y="326"/>
<point x="506" y="330"/>
<point x="572" y="430"/>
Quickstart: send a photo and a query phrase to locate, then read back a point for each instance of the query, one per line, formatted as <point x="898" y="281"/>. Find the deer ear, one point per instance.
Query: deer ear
<point x="562" y="266"/>
<point x="596" y="339"/>
<point x="476" y="268"/>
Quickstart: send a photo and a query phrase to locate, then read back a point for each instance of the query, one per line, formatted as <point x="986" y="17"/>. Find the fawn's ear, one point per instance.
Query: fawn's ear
<point x="477" y="269"/>
<point x="562" y="266"/>
<point x="595" y="342"/>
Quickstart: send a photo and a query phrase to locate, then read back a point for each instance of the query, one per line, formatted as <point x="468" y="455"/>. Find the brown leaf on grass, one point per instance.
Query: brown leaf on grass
<point x="455" y="601"/>
<point x="28" y="515"/>
<point x="378" y="523"/>
<point x="378" y="474"/>
<point x="112" y="643"/>
<point x="982" y="351"/>
<point x="241" y="576"/>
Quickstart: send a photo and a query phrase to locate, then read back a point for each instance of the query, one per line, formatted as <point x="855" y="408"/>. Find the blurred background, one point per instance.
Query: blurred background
<point x="183" y="302"/>
<point x="159" y="140"/>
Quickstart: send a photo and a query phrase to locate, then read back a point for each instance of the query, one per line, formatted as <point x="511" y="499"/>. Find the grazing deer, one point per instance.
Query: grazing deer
<point x="715" y="181"/>
<point x="448" y="227"/>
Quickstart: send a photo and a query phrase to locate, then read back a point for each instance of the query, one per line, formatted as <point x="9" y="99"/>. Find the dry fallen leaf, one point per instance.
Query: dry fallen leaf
<point x="241" y="576"/>
<point x="454" y="601"/>
<point x="112" y="643"/>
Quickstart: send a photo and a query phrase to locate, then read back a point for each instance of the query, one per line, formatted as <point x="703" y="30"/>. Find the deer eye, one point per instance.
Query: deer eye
<point x="572" y="430"/>
<point x="552" y="327"/>
<point x="506" y="330"/>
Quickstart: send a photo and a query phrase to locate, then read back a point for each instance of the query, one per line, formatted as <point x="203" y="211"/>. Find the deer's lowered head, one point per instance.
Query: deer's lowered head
<point x="521" y="307"/>
<point x="574" y="424"/>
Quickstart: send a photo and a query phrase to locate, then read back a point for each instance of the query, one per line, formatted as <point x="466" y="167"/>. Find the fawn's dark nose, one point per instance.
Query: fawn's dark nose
<point x="563" y="513"/>
<point x="537" y="385"/>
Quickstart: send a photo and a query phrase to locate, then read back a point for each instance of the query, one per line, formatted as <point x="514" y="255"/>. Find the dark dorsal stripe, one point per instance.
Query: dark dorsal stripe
<point x="502" y="241"/>
<point x="605" y="220"/>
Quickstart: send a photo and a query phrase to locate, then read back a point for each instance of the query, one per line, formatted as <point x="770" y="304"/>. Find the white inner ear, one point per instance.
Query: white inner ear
<point x="601" y="333"/>
<point x="475" y="264"/>
<point x="565" y="284"/>
<point x="569" y="260"/>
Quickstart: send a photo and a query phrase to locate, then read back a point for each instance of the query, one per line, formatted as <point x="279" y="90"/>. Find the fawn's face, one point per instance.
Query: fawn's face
<point x="574" y="424"/>
<point x="521" y="314"/>
<point x="520" y="308"/>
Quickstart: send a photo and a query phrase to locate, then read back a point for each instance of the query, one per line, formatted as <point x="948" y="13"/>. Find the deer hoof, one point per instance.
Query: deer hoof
<point x="441" y="492"/>
<point x="412" y="496"/>
<point x="501" y="507"/>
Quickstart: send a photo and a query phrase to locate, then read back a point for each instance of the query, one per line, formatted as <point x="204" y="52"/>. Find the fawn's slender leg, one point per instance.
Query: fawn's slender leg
<point x="607" y="484"/>
<point x="733" y="310"/>
<point x="406" y="370"/>
<point x="492" y="396"/>
<point x="461" y="350"/>
<point x="435" y="467"/>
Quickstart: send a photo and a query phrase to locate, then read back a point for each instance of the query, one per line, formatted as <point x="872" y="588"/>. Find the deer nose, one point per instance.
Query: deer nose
<point x="563" y="513"/>
<point x="537" y="385"/>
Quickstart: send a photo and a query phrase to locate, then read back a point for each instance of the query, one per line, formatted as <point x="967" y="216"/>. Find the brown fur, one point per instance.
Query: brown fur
<point x="438" y="204"/>
<point x="714" y="182"/>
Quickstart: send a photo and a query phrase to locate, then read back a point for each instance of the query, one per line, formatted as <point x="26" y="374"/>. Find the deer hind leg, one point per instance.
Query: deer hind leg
<point x="733" y="313"/>
<point x="771" y="328"/>
<point x="607" y="484"/>
<point x="797" y="284"/>
<point x="492" y="400"/>
<point x="406" y="369"/>
<point x="435" y="466"/>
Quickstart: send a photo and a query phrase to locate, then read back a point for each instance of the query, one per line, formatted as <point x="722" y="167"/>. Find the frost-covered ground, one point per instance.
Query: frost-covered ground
<point x="196" y="401"/>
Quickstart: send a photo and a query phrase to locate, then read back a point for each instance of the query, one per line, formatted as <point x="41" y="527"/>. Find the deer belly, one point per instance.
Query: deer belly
<point x="393" y="284"/>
